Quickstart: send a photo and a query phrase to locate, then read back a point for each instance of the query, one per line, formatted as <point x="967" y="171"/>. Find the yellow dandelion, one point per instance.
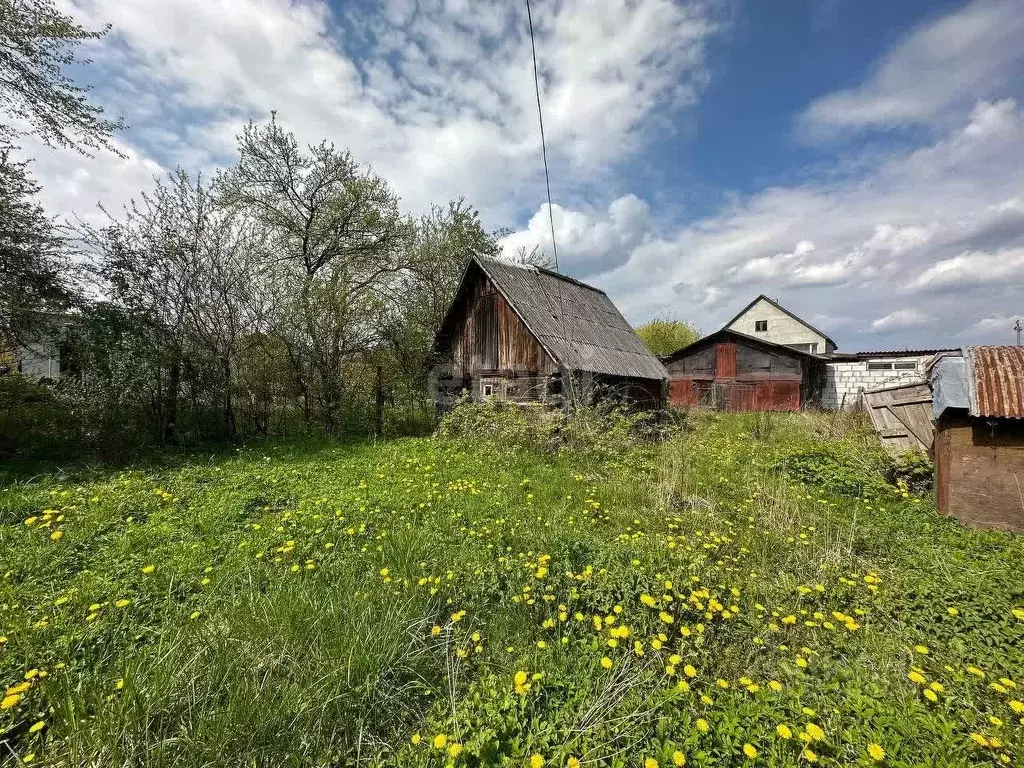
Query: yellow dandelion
<point x="416" y="738"/>
<point x="876" y="752"/>
<point x="440" y="741"/>
<point x="606" y="663"/>
<point x="678" y="759"/>
<point x="702" y="725"/>
<point x="784" y="731"/>
<point x="650" y="762"/>
<point x="815" y="732"/>
<point x="147" y="569"/>
<point x="536" y="761"/>
<point x="749" y="751"/>
<point x="454" y="750"/>
<point x="10" y="701"/>
<point x="922" y="649"/>
<point x="37" y="726"/>
<point x="573" y="762"/>
<point x="775" y="685"/>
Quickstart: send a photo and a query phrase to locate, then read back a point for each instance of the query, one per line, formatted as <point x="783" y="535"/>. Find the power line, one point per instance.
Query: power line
<point x="543" y="142"/>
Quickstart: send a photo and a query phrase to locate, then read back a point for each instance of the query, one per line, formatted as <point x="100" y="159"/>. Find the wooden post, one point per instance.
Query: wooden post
<point x="380" y="400"/>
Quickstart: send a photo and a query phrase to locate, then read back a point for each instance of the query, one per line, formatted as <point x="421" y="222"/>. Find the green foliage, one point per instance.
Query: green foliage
<point x="37" y="46"/>
<point x="912" y="470"/>
<point x="664" y="335"/>
<point x="339" y="605"/>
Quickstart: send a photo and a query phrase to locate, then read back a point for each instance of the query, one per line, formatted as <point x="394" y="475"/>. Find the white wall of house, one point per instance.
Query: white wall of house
<point x="845" y="381"/>
<point x="39" y="359"/>
<point x="780" y="328"/>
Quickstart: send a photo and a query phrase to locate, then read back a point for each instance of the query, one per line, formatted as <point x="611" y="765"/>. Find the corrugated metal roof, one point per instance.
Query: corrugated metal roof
<point x="578" y="324"/>
<point x="997" y="381"/>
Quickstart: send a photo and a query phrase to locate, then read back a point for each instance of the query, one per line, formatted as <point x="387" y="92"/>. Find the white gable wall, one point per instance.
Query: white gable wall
<point x="782" y="328"/>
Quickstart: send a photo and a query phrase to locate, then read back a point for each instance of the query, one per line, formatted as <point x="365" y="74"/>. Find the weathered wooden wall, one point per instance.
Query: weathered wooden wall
<point x="490" y="347"/>
<point x="979" y="466"/>
<point x="736" y="376"/>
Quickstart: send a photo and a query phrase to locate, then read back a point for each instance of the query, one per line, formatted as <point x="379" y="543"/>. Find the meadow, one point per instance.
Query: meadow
<point x="751" y="591"/>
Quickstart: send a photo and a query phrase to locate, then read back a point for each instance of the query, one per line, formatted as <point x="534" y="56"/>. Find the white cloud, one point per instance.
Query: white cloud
<point x="1001" y="325"/>
<point x="901" y="319"/>
<point x="950" y="59"/>
<point x="588" y="241"/>
<point x="973" y="268"/>
<point x="867" y="247"/>
<point x="437" y="96"/>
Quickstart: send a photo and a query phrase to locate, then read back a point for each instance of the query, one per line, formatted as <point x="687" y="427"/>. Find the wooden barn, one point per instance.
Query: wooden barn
<point x="732" y="371"/>
<point x="978" y="402"/>
<point x="526" y="333"/>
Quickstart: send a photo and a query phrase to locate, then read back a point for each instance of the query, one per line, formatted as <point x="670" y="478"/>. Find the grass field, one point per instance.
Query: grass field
<point x="750" y="592"/>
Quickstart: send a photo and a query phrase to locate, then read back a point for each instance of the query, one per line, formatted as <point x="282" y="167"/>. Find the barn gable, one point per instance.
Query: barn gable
<point x="515" y="331"/>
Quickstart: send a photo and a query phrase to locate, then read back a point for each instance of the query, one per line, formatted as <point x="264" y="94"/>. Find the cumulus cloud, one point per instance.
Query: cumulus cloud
<point x="436" y="95"/>
<point x="588" y="241"/>
<point x="963" y="55"/>
<point x="900" y="319"/>
<point x="853" y="249"/>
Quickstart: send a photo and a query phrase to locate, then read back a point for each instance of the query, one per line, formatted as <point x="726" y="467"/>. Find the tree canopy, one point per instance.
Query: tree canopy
<point x="664" y="335"/>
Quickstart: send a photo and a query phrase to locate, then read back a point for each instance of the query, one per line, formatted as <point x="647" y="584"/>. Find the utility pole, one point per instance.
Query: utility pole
<point x="1018" y="328"/>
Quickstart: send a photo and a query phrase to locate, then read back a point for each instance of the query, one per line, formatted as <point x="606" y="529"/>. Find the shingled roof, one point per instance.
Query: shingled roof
<point x="577" y="324"/>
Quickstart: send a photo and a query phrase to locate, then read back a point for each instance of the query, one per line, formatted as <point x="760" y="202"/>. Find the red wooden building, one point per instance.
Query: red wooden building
<point x="731" y="371"/>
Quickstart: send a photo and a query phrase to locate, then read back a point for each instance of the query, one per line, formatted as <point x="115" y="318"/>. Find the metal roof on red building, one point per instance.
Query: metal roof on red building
<point x="997" y="382"/>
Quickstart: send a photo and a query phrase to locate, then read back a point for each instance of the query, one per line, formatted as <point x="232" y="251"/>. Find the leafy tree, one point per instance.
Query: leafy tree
<point x="342" y="246"/>
<point x="35" y="270"/>
<point x="37" y="44"/>
<point x="664" y="335"/>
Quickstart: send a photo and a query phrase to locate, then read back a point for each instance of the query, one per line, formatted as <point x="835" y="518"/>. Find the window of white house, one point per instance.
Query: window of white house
<point x="893" y="365"/>
<point x="487" y="390"/>
<point x="761" y="325"/>
<point x="812" y="347"/>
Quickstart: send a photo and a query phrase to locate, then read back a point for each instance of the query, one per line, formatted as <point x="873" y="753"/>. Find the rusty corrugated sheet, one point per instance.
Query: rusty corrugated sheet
<point x="998" y="382"/>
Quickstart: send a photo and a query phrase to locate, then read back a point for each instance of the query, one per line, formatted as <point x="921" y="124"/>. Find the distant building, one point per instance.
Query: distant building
<point x="978" y="406"/>
<point x="851" y="374"/>
<point x="38" y="353"/>
<point x="732" y="371"/>
<point x="526" y="333"/>
<point x="767" y="320"/>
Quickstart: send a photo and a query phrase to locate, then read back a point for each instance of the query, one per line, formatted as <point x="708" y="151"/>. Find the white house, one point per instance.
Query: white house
<point x="848" y="375"/>
<point x="766" y="319"/>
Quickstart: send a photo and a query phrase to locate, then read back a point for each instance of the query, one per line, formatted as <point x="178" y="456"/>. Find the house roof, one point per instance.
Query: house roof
<point x="576" y="324"/>
<point x="987" y="381"/>
<point x="996" y="381"/>
<point x="725" y="333"/>
<point x="781" y="309"/>
<point x="887" y="353"/>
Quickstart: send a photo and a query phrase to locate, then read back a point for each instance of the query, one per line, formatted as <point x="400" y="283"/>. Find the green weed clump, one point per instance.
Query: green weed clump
<point x="732" y="596"/>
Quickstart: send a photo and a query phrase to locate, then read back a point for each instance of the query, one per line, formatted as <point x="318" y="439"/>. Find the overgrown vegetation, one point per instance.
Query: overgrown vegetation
<point x="665" y="334"/>
<point x="717" y="598"/>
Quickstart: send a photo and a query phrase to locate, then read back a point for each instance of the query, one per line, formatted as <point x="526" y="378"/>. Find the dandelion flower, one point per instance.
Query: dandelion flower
<point x="147" y="569"/>
<point x="678" y="759"/>
<point x="56" y="535"/>
<point x="454" y="750"/>
<point x="689" y="671"/>
<point x="775" y="685"/>
<point x="416" y="738"/>
<point x="10" y="701"/>
<point x="650" y="762"/>
<point x="37" y="726"/>
<point x="606" y="663"/>
<point x="536" y="761"/>
<point x="876" y="752"/>
<point x="702" y="725"/>
<point x="749" y="751"/>
<point x="123" y="603"/>
<point x="784" y="731"/>
<point x="922" y="649"/>
<point x="440" y="741"/>
<point x="815" y="732"/>
<point x="931" y="695"/>
<point x="573" y="762"/>
<point x="916" y="677"/>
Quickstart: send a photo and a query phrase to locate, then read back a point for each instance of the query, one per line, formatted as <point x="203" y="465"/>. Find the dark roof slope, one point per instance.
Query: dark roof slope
<point x="781" y="309"/>
<point x="729" y="333"/>
<point x="577" y="324"/>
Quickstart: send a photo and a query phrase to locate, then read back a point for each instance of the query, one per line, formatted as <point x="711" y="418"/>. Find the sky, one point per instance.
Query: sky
<point x="859" y="161"/>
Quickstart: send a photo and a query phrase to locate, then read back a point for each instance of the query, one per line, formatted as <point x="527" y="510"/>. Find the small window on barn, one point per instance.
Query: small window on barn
<point x="761" y="325"/>
<point x="487" y="390"/>
<point x="906" y="365"/>
<point x="879" y="366"/>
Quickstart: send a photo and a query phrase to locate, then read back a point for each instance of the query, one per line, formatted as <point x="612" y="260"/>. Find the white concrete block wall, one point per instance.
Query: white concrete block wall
<point x="849" y="379"/>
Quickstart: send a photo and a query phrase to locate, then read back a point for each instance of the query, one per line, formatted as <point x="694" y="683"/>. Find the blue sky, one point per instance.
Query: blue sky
<point x="855" y="159"/>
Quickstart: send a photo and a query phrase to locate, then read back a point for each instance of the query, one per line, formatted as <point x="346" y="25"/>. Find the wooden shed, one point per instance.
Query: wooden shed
<point x="732" y="371"/>
<point x="978" y="399"/>
<point x="526" y="333"/>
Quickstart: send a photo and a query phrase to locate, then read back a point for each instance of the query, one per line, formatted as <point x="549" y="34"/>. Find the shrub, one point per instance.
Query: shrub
<point x="912" y="470"/>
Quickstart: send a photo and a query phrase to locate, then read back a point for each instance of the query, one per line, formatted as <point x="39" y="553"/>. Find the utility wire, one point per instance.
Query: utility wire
<point x="543" y="142"/>
<point x="567" y="377"/>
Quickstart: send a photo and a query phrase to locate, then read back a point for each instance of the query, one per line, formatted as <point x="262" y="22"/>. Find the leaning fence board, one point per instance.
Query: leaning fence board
<point x="902" y="416"/>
